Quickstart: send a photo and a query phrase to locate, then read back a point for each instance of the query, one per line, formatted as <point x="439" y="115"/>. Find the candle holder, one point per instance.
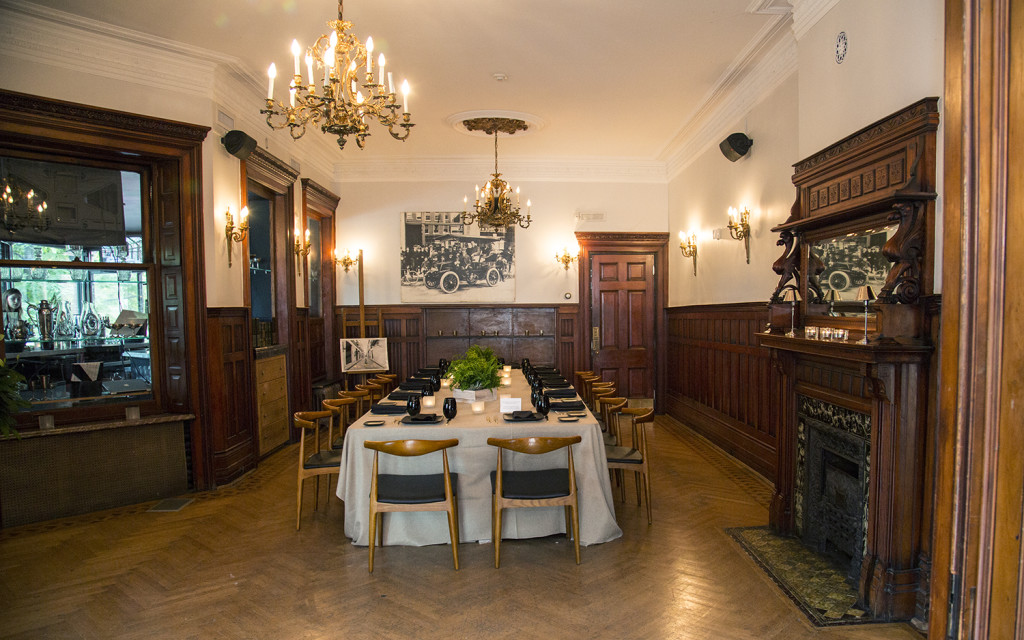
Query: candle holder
<point x="235" y="234"/>
<point x="739" y="227"/>
<point x="688" y="245"/>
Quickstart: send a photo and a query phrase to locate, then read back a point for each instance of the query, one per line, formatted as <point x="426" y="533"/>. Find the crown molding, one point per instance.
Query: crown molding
<point x="772" y="63"/>
<point x="520" y="169"/>
<point x="807" y="13"/>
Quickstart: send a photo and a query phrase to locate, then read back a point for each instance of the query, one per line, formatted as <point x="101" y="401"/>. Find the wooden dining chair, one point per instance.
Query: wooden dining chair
<point x="339" y="408"/>
<point x="313" y="462"/>
<point x="536" y="488"/>
<point x="609" y="407"/>
<point x="362" y="398"/>
<point x="386" y="383"/>
<point x="423" y="492"/>
<point x="634" y="458"/>
<point x="598" y="389"/>
<point x="375" y="390"/>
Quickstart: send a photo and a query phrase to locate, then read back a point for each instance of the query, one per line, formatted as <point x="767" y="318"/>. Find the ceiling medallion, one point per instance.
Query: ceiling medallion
<point x="339" y="105"/>
<point x="496" y="205"/>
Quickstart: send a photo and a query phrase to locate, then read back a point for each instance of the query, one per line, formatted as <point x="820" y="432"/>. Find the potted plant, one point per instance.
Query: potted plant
<point x="10" y="399"/>
<point x="475" y="375"/>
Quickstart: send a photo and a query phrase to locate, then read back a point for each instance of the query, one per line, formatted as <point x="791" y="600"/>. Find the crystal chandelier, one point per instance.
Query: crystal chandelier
<point x="22" y="206"/>
<point x="494" y="203"/>
<point x="351" y="94"/>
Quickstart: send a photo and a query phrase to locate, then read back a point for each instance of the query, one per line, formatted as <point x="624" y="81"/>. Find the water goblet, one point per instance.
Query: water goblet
<point x="449" y="408"/>
<point x="412" y="405"/>
<point x="544" y="404"/>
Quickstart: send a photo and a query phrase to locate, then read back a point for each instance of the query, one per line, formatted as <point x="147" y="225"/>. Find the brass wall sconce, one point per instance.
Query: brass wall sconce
<point x="688" y="245"/>
<point x="739" y="227"/>
<point x="565" y="258"/>
<point x="346" y="262"/>
<point x="233" y="233"/>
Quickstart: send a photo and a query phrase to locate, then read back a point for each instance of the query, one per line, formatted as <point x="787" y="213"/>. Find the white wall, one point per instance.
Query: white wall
<point x="699" y="199"/>
<point x="369" y="217"/>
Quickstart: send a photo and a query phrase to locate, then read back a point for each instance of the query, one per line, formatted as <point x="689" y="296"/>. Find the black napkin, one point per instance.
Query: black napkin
<point x="427" y="371"/>
<point x="543" y="370"/>
<point x="555" y="384"/>
<point x="403" y="395"/>
<point x="414" y="385"/>
<point x="524" y="416"/>
<point x="553" y="376"/>
<point x="560" y="393"/>
<point x="387" y="409"/>
<point x="568" y="405"/>
<point x="422" y="417"/>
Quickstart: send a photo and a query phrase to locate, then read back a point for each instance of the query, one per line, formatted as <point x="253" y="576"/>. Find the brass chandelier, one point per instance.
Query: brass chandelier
<point x="350" y="94"/>
<point x="494" y="203"/>
<point x="22" y="206"/>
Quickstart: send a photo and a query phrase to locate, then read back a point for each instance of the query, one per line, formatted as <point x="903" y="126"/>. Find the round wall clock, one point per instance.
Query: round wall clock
<point x="841" y="45"/>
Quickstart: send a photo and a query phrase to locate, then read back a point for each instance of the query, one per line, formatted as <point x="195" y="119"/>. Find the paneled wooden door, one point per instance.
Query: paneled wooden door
<point x="622" y="314"/>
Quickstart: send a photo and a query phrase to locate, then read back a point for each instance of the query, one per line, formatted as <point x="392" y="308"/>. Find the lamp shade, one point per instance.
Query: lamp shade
<point x="791" y="295"/>
<point x="832" y="296"/>
<point x="865" y="294"/>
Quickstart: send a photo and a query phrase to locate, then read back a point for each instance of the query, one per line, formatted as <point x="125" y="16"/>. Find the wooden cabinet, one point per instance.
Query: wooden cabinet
<point x="271" y="403"/>
<point x="513" y="333"/>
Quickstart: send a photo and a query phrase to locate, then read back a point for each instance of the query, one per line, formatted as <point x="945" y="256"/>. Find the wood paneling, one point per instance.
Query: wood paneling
<point x="300" y="378"/>
<point x="231" y="434"/>
<point x="721" y="383"/>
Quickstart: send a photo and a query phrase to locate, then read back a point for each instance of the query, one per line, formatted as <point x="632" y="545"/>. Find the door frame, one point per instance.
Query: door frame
<point x="609" y="242"/>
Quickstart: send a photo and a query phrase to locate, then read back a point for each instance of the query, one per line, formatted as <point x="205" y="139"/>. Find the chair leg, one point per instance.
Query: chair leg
<point x="647" y="491"/>
<point x="568" y="522"/>
<point x="636" y="481"/>
<point x="621" y="477"/>
<point x="373" y="535"/>
<point x="453" y="531"/>
<point x="298" y="504"/>
<point x="316" y="492"/>
<point x="576" y="529"/>
<point x="496" y="534"/>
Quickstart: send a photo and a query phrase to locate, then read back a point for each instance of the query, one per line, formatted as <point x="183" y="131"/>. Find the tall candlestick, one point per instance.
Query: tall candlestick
<point x="309" y="69"/>
<point x="271" y="74"/>
<point x="295" y="52"/>
<point x="405" y="95"/>
<point x="369" y="56"/>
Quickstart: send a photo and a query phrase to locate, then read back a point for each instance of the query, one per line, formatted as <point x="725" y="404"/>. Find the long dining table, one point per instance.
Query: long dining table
<point x="473" y="460"/>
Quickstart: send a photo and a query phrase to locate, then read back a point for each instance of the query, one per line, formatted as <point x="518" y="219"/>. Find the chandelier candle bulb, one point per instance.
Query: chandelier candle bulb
<point x="380" y="69"/>
<point x="309" y="72"/>
<point x="369" y="56"/>
<point x="391" y="83"/>
<point x="296" y="49"/>
<point x="271" y="74"/>
<point x="405" y="95"/>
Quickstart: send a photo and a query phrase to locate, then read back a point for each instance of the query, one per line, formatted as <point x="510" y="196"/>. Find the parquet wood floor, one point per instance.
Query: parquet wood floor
<point x="231" y="565"/>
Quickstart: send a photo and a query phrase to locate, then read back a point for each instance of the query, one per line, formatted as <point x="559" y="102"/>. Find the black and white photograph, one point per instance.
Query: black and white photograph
<point x="854" y="260"/>
<point x="361" y="355"/>
<point x="445" y="260"/>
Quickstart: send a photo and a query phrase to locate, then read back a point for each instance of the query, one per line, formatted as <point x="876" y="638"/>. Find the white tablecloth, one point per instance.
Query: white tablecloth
<point x="473" y="459"/>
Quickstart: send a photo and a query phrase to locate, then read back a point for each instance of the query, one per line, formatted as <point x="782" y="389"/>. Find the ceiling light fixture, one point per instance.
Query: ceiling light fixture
<point x="494" y="203"/>
<point x="22" y="205"/>
<point x="339" y="105"/>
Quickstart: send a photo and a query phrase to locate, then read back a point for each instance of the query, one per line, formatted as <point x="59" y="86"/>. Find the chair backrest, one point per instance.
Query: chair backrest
<point x="535" y="445"/>
<point x="375" y="390"/>
<point x="408" y="448"/>
<point x="339" y="411"/>
<point x="361" y="396"/>
<point x="640" y="417"/>
<point x="610" y="406"/>
<point x="309" y="421"/>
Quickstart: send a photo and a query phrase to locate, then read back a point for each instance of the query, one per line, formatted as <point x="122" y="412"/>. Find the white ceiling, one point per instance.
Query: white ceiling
<point x="608" y="79"/>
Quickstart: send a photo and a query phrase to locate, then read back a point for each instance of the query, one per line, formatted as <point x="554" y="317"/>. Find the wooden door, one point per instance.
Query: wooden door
<point x="622" y="313"/>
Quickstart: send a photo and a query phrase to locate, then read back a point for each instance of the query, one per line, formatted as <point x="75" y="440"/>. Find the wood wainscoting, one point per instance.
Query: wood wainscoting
<point x="231" y="433"/>
<point x="721" y="383"/>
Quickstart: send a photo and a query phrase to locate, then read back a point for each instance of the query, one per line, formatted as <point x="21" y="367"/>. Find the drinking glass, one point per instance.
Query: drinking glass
<point x="449" y="408"/>
<point x="412" y="405"/>
<point x="544" y="404"/>
<point x="435" y="381"/>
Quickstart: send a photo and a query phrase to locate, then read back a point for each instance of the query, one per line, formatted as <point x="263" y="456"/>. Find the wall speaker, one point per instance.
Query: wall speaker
<point x="735" y="146"/>
<point x="238" y="143"/>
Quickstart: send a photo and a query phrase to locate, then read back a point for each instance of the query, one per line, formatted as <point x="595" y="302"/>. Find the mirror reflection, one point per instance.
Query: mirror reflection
<point x="853" y="260"/>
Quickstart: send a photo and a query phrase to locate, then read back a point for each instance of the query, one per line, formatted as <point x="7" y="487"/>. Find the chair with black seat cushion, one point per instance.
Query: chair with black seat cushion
<point x="376" y="391"/>
<point x="634" y="458"/>
<point x="313" y="462"/>
<point x="536" y="488"/>
<point x="362" y="398"/>
<point x="339" y="408"/>
<point x="424" y="492"/>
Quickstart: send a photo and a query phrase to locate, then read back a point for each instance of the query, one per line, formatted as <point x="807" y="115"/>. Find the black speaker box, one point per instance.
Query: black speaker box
<point x="238" y="143"/>
<point x="735" y="146"/>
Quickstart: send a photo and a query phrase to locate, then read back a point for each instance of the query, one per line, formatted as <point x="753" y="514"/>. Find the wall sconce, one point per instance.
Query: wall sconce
<point x="347" y="262"/>
<point x="301" y="248"/>
<point x="688" y="244"/>
<point x="739" y="227"/>
<point x="565" y="258"/>
<point x="233" y="234"/>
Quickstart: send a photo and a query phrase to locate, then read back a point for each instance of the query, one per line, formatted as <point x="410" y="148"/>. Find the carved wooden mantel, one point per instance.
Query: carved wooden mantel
<point x="881" y="175"/>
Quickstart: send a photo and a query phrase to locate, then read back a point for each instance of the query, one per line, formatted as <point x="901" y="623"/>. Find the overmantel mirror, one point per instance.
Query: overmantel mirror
<point x="857" y="259"/>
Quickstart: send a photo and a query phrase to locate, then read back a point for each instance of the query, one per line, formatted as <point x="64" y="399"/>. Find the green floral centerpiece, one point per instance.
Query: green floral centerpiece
<point x="475" y="375"/>
<point x="11" y="401"/>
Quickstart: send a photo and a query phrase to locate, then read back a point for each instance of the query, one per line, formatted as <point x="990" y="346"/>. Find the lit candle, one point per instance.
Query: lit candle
<point x="271" y="74"/>
<point x="369" y="56"/>
<point x="307" y="236"/>
<point x="478" y="406"/>
<point x="391" y="83"/>
<point x="405" y="95"/>
<point x="309" y="70"/>
<point x="427" y="402"/>
<point x="732" y="215"/>
<point x="244" y="214"/>
<point x="508" y="370"/>
<point x="291" y="96"/>
<point x="446" y="383"/>
<point x="296" y="50"/>
<point x="380" y="69"/>
<point x="506" y="382"/>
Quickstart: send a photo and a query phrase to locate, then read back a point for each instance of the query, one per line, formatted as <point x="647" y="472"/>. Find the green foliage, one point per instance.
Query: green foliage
<point x="477" y="369"/>
<point x="11" y="401"/>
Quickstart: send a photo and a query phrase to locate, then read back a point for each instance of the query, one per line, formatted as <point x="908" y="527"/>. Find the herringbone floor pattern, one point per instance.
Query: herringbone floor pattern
<point x="231" y="565"/>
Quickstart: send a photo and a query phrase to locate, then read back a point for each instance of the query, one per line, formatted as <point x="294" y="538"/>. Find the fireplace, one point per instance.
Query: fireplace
<point x="832" y="481"/>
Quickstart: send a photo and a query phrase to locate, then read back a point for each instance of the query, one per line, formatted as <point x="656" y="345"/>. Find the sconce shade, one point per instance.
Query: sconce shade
<point x="735" y="146"/>
<point x="238" y="143"/>
<point x="865" y="294"/>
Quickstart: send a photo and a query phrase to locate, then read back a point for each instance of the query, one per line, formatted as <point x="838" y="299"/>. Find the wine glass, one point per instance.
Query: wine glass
<point x="435" y="381"/>
<point x="544" y="404"/>
<point x="449" y="408"/>
<point x="412" y="405"/>
<point x="535" y="397"/>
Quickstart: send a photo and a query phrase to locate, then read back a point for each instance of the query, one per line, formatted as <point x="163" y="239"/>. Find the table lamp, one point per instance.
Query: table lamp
<point x="791" y="296"/>
<point x="867" y="295"/>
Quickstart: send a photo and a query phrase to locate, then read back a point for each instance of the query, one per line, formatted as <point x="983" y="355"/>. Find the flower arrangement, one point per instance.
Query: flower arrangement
<point x="476" y="370"/>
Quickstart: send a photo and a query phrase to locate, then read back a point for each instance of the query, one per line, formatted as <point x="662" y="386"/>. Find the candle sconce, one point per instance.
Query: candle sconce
<point x="739" y="227"/>
<point x="301" y="248"/>
<point x="688" y="245"/>
<point x="565" y="258"/>
<point x="346" y="262"/>
<point x="235" y="234"/>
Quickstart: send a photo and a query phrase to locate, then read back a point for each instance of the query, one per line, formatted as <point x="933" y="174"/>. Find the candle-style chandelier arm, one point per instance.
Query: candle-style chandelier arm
<point x="497" y="204"/>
